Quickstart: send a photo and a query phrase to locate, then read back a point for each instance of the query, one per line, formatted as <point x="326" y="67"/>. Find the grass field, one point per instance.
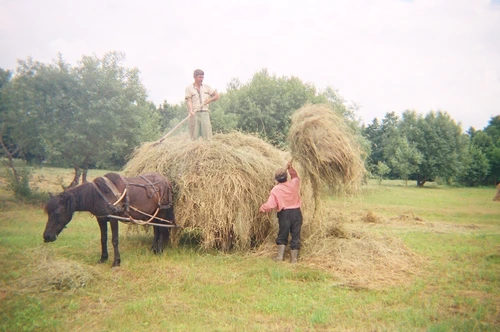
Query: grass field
<point x="452" y="233"/>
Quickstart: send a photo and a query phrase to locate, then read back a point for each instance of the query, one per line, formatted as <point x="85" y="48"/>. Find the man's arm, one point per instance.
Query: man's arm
<point x="189" y="102"/>
<point x="213" y="97"/>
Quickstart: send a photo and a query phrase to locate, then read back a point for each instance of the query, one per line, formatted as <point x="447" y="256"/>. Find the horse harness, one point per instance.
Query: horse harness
<point x="151" y="189"/>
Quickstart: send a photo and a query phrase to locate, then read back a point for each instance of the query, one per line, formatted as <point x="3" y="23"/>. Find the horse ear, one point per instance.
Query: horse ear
<point x="51" y="195"/>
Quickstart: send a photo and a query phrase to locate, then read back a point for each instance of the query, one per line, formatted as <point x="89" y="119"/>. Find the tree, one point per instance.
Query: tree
<point x="442" y="145"/>
<point x="491" y="147"/>
<point x="406" y="158"/>
<point x="436" y="137"/>
<point x="382" y="169"/>
<point x="92" y="115"/>
<point x="171" y="115"/>
<point x="266" y="103"/>
<point x="112" y="116"/>
<point x="476" y="167"/>
<point x="373" y="134"/>
<point x="387" y="132"/>
<point x="21" y="112"/>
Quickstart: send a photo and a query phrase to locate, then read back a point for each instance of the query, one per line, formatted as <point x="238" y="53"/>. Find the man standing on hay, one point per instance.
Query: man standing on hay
<point x="285" y="197"/>
<point x="198" y="97"/>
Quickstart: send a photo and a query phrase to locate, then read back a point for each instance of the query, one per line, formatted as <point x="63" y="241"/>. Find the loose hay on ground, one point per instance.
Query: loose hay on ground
<point x="371" y="217"/>
<point x="48" y="273"/>
<point x="342" y="246"/>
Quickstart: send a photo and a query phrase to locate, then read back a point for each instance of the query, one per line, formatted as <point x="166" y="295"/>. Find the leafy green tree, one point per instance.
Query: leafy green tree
<point x="5" y="81"/>
<point x="171" y="115"/>
<point x="381" y="170"/>
<point x="491" y="147"/>
<point x="436" y="137"/>
<point x="92" y="115"/>
<point x="21" y="112"/>
<point x="266" y="103"/>
<point x="406" y="158"/>
<point x="493" y="129"/>
<point x="443" y="147"/>
<point x="388" y="131"/>
<point x="476" y="167"/>
<point x="372" y="134"/>
<point x="113" y="114"/>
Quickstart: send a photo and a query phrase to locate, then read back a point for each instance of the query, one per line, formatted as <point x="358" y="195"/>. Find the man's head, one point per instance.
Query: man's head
<point x="198" y="72"/>
<point x="198" y="75"/>
<point x="281" y="175"/>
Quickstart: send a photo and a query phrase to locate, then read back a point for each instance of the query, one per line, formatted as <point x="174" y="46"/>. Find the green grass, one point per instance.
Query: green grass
<point x="456" y="233"/>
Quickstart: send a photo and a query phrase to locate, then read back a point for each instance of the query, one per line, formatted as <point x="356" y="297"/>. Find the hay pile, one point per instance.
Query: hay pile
<point x="357" y="257"/>
<point x="327" y="149"/>
<point x="218" y="185"/>
<point x="497" y="194"/>
<point x="47" y="273"/>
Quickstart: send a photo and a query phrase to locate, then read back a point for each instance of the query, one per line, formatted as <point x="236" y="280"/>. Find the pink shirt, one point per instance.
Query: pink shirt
<point x="284" y="195"/>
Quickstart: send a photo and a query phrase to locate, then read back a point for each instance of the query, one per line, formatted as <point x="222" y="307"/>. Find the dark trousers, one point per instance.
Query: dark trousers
<point x="290" y="222"/>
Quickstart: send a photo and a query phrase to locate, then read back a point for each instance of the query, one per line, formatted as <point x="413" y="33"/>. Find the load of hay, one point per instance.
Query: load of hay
<point x="497" y="194"/>
<point x="218" y="185"/>
<point x="325" y="146"/>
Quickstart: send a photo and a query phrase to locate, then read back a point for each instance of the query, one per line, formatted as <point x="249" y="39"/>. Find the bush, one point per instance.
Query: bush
<point x="19" y="184"/>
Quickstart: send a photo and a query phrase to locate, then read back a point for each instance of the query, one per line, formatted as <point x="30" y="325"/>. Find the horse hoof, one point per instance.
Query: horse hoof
<point x="156" y="250"/>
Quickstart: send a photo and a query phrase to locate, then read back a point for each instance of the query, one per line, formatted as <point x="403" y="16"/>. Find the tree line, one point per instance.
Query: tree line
<point x="94" y="114"/>
<point x="433" y="147"/>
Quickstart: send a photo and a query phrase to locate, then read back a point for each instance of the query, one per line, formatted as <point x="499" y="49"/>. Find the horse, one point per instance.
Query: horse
<point x="144" y="199"/>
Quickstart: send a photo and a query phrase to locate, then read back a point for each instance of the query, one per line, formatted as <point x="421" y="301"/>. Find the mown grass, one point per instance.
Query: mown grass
<point x="455" y="231"/>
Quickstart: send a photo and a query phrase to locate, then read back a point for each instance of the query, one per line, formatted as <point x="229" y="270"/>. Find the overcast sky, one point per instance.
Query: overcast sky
<point x="385" y="55"/>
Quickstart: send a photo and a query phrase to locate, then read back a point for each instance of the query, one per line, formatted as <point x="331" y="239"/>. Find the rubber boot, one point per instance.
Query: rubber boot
<point x="281" y="252"/>
<point x="294" y="256"/>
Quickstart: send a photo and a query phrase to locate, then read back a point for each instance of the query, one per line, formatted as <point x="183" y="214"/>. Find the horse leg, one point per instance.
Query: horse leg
<point x="165" y="235"/>
<point x="158" y="240"/>
<point x="156" y="237"/>
<point x="165" y="231"/>
<point x="114" y="241"/>
<point x="103" y="225"/>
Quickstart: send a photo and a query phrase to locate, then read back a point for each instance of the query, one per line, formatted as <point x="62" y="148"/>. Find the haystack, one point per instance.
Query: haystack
<point x="218" y="185"/>
<point x="497" y="194"/>
<point x="327" y="148"/>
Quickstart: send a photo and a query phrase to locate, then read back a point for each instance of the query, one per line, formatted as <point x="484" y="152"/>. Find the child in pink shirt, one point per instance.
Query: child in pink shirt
<point x="285" y="198"/>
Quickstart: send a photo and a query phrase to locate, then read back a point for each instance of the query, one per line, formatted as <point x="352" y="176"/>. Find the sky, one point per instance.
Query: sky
<point x="384" y="56"/>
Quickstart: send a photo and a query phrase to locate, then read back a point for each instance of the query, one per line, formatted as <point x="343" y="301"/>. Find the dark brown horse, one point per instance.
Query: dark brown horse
<point x="143" y="199"/>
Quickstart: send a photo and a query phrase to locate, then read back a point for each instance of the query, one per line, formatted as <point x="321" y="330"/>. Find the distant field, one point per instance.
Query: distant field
<point x="428" y="259"/>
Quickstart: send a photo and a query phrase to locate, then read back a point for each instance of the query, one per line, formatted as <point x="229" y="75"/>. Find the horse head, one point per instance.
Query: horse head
<point x="60" y="209"/>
